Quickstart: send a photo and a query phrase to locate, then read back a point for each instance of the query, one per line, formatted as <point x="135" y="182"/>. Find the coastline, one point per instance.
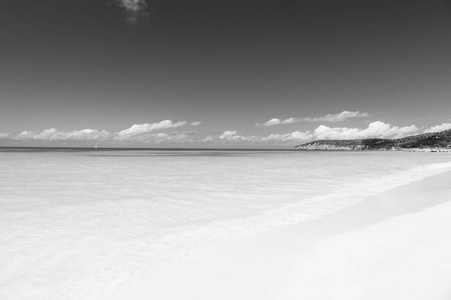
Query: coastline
<point x="323" y="147"/>
<point x="392" y="245"/>
<point x="427" y="142"/>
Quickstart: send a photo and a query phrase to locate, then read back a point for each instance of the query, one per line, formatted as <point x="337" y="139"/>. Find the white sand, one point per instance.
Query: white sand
<point x="395" y="245"/>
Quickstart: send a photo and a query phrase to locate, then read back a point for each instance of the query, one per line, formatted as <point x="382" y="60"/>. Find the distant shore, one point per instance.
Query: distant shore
<point x="329" y="147"/>
<point x="426" y="142"/>
<point x="426" y="150"/>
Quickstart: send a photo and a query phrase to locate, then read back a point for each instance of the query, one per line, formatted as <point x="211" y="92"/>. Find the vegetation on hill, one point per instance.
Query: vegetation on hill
<point x="422" y="141"/>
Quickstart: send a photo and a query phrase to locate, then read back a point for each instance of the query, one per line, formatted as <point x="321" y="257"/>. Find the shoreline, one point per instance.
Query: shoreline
<point x="321" y="147"/>
<point x="328" y="258"/>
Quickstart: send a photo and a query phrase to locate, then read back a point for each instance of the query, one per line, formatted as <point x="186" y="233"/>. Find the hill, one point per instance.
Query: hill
<point x="436" y="141"/>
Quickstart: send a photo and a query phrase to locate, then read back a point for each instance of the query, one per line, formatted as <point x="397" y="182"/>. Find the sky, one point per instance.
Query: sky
<point x="236" y="73"/>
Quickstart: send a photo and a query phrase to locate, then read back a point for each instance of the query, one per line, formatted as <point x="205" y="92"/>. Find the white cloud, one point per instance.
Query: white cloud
<point x="89" y="134"/>
<point x="438" y="128"/>
<point x="135" y="9"/>
<point x="291" y="121"/>
<point x="5" y="135"/>
<point x="196" y="123"/>
<point x="376" y="129"/>
<point x="234" y="137"/>
<point x="161" y="137"/>
<point x="25" y="135"/>
<point x="231" y="136"/>
<point x="271" y="122"/>
<point x="141" y="129"/>
<point x="52" y="134"/>
<point x="138" y="132"/>
<point x="295" y="136"/>
<point x="343" y="116"/>
<point x="151" y="133"/>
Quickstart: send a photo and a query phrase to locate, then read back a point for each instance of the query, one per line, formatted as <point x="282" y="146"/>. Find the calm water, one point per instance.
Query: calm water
<point x="76" y="223"/>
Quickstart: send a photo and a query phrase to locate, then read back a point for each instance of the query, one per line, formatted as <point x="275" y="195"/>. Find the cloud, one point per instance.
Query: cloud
<point x="85" y="135"/>
<point x="135" y="9"/>
<point x="295" y="136"/>
<point x="291" y="121"/>
<point x="161" y="137"/>
<point x="141" y="129"/>
<point x="151" y="133"/>
<point x="232" y="136"/>
<point x="196" y="123"/>
<point x="376" y="129"/>
<point x="52" y="134"/>
<point x="272" y="122"/>
<point x="438" y="128"/>
<point x="138" y="132"/>
<point x="343" y="116"/>
<point x="228" y="134"/>
<point x="4" y="135"/>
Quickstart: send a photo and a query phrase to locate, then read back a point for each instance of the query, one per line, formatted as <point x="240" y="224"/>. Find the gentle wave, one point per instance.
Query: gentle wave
<point x="309" y="209"/>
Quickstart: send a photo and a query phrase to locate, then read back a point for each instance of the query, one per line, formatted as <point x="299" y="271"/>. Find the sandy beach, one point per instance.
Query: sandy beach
<point x="225" y="150"/>
<point x="394" y="245"/>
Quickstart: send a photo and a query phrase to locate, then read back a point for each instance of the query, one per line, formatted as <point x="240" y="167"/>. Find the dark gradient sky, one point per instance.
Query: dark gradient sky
<point x="76" y="64"/>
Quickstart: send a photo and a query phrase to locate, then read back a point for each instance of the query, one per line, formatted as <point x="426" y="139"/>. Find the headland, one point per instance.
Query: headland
<point x="427" y="142"/>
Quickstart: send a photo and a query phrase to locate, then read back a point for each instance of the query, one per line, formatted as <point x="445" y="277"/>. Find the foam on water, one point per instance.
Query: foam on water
<point x="74" y="224"/>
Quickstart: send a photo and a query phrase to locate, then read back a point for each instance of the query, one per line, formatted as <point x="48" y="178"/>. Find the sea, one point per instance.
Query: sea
<point x="77" y="222"/>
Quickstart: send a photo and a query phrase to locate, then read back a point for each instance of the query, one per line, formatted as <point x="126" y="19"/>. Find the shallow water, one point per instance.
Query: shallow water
<point x="76" y="223"/>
